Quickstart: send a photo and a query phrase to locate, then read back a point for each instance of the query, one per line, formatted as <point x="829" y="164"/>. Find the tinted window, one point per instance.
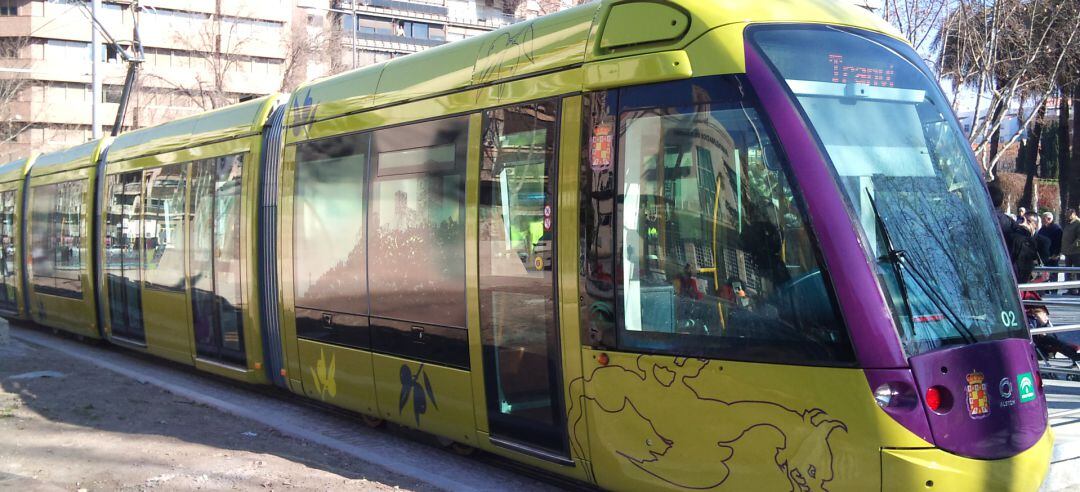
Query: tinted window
<point x="329" y="225"/>
<point x="57" y="227"/>
<point x="7" y="249"/>
<point x="42" y="249"/>
<point x="216" y="274"/>
<point x="417" y="249"/>
<point x="68" y="227"/>
<point x="163" y="226"/>
<point x="713" y="254"/>
<point x="123" y="243"/>
<point x="517" y="272"/>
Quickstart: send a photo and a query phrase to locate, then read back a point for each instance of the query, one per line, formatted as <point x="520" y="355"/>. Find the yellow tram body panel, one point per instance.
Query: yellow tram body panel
<point x="167" y="315"/>
<point x="63" y="296"/>
<point x="934" y="469"/>
<point x="12" y="181"/>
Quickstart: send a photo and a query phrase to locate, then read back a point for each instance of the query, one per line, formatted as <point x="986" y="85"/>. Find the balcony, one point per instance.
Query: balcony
<point x="388" y="40"/>
<point x="420" y="8"/>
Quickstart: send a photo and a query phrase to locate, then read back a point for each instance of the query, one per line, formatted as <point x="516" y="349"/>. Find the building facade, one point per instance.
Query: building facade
<point x="204" y="54"/>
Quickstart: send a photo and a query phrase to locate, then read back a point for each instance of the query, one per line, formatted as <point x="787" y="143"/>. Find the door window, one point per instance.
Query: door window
<point x="7" y="249"/>
<point x="517" y="264"/>
<point x="216" y="258"/>
<point x="163" y="227"/>
<point x="123" y="246"/>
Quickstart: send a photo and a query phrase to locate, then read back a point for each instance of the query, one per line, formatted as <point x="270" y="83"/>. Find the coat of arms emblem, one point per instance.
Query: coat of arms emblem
<point x="977" y="400"/>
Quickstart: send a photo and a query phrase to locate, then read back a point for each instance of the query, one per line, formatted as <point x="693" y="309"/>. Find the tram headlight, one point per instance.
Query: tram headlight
<point x="886" y="395"/>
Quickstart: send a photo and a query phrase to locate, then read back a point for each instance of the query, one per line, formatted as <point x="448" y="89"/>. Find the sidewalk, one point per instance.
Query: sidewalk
<point x="166" y="408"/>
<point x="68" y="425"/>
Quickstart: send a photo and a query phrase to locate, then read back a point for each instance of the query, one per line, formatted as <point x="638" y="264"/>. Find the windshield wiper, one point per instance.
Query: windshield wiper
<point x="898" y="258"/>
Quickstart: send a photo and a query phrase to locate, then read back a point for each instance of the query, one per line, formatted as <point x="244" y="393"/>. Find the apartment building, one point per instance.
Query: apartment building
<point x="203" y="54"/>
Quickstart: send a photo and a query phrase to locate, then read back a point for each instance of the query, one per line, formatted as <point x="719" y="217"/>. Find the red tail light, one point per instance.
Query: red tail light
<point x="933" y="398"/>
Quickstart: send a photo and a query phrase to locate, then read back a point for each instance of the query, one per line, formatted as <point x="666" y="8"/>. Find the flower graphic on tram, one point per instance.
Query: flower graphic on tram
<point x="410" y="386"/>
<point x="640" y="400"/>
<point x="323" y="375"/>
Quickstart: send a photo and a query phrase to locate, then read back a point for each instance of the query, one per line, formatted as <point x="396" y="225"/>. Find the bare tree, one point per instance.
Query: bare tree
<point x="917" y="20"/>
<point x="304" y="46"/>
<point x="14" y="82"/>
<point x="218" y="48"/>
<point x="1004" y="50"/>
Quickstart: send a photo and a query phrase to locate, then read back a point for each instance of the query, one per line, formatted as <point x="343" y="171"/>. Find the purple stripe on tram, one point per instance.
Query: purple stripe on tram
<point x="998" y="408"/>
<point x="869" y="323"/>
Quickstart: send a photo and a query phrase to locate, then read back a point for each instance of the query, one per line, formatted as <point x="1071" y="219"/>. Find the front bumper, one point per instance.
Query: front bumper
<point x="934" y="469"/>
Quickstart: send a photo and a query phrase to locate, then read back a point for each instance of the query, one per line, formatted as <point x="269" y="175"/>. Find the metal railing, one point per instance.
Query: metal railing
<point x="1047" y="365"/>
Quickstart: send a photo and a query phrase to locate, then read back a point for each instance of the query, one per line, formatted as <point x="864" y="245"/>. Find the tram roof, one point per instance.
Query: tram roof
<point x="234" y="121"/>
<point x="15" y="170"/>
<point x="77" y="157"/>
<point x="565" y="39"/>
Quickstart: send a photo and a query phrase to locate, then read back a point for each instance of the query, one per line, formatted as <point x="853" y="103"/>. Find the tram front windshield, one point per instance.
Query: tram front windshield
<point x="908" y="176"/>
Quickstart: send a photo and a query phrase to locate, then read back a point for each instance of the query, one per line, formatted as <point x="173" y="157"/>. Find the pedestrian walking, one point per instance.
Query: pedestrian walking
<point x="997" y="197"/>
<point x="1052" y="231"/>
<point x="1070" y="244"/>
<point x="1023" y="250"/>
<point x="1042" y="242"/>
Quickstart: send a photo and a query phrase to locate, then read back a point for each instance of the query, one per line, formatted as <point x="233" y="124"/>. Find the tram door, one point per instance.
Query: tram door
<point x="519" y="329"/>
<point x="123" y="252"/>
<point x="215" y="259"/>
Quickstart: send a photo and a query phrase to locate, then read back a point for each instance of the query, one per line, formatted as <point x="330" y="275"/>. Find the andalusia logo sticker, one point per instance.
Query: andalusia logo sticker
<point x="978" y="402"/>
<point x="1026" y="383"/>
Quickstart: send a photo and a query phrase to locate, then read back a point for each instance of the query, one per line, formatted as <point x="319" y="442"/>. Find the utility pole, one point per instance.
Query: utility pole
<point x="355" y="27"/>
<point x="95" y="71"/>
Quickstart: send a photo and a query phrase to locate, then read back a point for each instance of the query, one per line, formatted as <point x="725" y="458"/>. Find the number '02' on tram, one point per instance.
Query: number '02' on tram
<point x="679" y="245"/>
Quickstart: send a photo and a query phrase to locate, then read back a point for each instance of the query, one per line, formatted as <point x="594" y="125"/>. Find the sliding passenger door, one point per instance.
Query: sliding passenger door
<point x="123" y="249"/>
<point x="8" y="279"/>
<point x="216" y="259"/>
<point x="519" y="329"/>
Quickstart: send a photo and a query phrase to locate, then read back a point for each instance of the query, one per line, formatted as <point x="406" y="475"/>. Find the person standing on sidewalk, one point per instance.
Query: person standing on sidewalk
<point x="1051" y="231"/>
<point x="1070" y="244"/>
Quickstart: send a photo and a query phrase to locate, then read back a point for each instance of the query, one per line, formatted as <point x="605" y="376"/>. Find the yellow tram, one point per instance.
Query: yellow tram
<point x="641" y="244"/>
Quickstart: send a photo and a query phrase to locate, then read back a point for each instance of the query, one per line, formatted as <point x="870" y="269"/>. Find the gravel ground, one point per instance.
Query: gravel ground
<point x="68" y="425"/>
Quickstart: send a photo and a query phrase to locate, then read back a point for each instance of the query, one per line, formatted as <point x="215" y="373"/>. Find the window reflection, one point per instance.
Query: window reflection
<point x="7" y="249"/>
<point x="57" y="228"/>
<point x="417" y="264"/>
<point x="216" y="258"/>
<point x="329" y="225"/>
<point x="163" y="226"/>
<point x="123" y="242"/>
<point x="715" y="253"/>
<point x="516" y="249"/>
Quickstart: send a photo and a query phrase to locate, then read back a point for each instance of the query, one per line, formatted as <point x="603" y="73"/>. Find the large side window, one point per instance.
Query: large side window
<point x="68" y="228"/>
<point x="163" y="226"/>
<point x="417" y="256"/>
<point x="329" y="254"/>
<point x="7" y="249"/>
<point x="42" y="249"/>
<point x="123" y="243"/>
<point x="713" y="255"/>
<point x="57" y="227"/>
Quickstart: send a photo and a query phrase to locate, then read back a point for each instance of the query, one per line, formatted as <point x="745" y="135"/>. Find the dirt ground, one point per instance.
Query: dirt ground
<point x="68" y="425"/>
